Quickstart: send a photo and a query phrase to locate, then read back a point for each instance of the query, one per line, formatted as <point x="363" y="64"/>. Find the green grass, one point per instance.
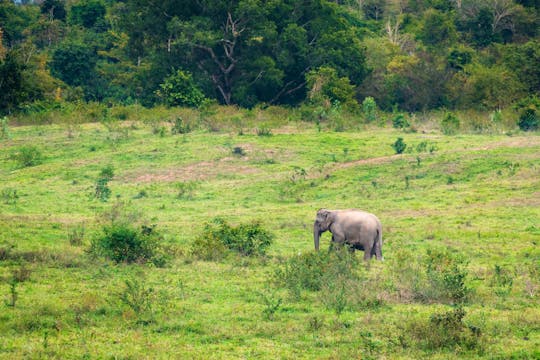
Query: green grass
<point x="477" y="195"/>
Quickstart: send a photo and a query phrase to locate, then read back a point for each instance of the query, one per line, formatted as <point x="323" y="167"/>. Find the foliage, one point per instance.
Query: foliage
<point x="326" y="88"/>
<point x="179" y="89"/>
<point x="400" y="121"/>
<point x="4" y="128"/>
<point x="88" y="13"/>
<point x="450" y="123"/>
<point x="137" y="297"/>
<point x="369" y="109"/>
<point x="123" y="242"/>
<point x="399" y="145"/>
<point x="529" y="119"/>
<point x="102" y="190"/>
<point x="448" y="330"/>
<point x="9" y="195"/>
<point x="27" y="155"/>
<point x="180" y="126"/>
<point x="247" y="239"/>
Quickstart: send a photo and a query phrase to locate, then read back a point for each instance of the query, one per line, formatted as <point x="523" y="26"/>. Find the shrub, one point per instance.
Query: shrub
<point x="179" y="89"/>
<point x="27" y="156"/>
<point x="369" y="109"/>
<point x="218" y="236"/>
<point x="446" y="275"/>
<point x="400" y="122"/>
<point x="180" y="126"/>
<point x="137" y="297"/>
<point x="101" y="189"/>
<point x="447" y="330"/>
<point x="122" y="242"/>
<point x="186" y="189"/>
<point x="4" y="128"/>
<point x="399" y="145"/>
<point x="76" y="234"/>
<point x="450" y="124"/>
<point x="529" y="119"/>
<point x="9" y="195"/>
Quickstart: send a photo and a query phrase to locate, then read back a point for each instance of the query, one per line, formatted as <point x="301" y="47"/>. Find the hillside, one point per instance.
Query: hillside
<point x="460" y="218"/>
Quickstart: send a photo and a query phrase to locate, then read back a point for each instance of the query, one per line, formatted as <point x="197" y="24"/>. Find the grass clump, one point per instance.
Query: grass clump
<point x="218" y="237"/>
<point x="9" y="196"/>
<point x="27" y="156"/>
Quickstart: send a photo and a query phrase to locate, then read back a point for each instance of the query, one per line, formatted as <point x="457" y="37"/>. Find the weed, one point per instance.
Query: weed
<point x="180" y="126"/>
<point x="263" y="131"/>
<point x="27" y="156"/>
<point x="4" y="128"/>
<point x="272" y="303"/>
<point x="186" y="190"/>
<point x="501" y="282"/>
<point x="9" y="196"/>
<point x="399" y="146"/>
<point x="76" y="234"/>
<point x="315" y="323"/>
<point x="138" y="298"/>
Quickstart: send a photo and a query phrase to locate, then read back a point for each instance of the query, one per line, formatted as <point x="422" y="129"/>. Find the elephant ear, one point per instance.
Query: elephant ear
<point x="322" y="216"/>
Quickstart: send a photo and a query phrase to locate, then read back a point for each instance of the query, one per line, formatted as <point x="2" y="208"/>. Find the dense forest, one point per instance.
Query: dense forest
<point x="410" y="55"/>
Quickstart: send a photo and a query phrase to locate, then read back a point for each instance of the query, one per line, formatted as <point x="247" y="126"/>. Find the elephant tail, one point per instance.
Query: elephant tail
<point x="377" y="247"/>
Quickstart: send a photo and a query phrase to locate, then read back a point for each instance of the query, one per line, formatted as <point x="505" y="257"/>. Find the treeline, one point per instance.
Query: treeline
<point x="406" y="54"/>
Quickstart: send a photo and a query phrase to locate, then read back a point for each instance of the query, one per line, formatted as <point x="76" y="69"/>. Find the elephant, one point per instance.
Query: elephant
<point x="358" y="229"/>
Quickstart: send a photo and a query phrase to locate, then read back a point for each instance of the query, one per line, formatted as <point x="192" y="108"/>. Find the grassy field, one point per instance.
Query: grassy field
<point x="461" y="216"/>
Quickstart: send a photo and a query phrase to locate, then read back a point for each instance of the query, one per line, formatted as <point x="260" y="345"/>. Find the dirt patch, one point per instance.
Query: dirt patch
<point x="193" y="172"/>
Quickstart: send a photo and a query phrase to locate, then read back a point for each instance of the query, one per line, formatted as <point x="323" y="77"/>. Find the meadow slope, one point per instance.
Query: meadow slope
<point x="476" y="197"/>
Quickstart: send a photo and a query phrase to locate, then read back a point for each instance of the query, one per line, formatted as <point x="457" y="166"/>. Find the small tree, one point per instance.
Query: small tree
<point x="369" y="108"/>
<point x="179" y="89"/>
<point x="399" y="145"/>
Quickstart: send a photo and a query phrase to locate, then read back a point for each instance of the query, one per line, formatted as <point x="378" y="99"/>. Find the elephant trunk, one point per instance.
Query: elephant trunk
<point x="316" y="235"/>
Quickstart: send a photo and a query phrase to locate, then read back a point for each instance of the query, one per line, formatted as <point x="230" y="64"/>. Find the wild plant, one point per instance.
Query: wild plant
<point x="502" y="281"/>
<point x="27" y="156"/>
<point x="101" y="189"/>
<point x="138" y="298"/>
<point x="4" y="128"/>
<point x="9" y="196"/>
<point x="399" y="146"/>
<point x="218" y="237"/>
<point x="186" y="190"/>
<point x="450" y="124"/>
<point x="75" y="234"/>
<point x="180" y="126"/>
<point x="272" y="302"/>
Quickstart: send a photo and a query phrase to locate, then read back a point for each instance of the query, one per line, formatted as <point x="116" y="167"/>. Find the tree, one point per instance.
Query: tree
<point x="11" y="83"/>
<point x="437" y="28"/>
<point x="54" y="9"/>
<point x="180" y="90"/>
<point x="326" y="87"/>
<point x="88" y="13"/>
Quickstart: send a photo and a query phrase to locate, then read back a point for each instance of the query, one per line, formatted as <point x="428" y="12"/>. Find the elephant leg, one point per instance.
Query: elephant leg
<point x="367" y="255"/>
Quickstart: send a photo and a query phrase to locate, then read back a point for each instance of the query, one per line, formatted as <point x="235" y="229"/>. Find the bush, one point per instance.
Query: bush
<point x="4" y="128"/>
<point x="9" y="196"/>
<point x="218" y="237"/>
<point x="369" y="109"/>
<point x="180" y="126"/>
<point x="400" y="122"/>
<point x="27" y="156"/>
<point x="102" y="190"/>
<point x="179" y="89"/>
<point x="447" y="330"/>
<point x="450" y="124"/>
<point x="446" y="275"/>
<point x="529" y="119"/>
<point x="126" y="243"/>
<point x="399" y="145"/>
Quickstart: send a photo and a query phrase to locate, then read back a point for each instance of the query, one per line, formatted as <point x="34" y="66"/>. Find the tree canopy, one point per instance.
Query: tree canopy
<point x="412" y="54"/>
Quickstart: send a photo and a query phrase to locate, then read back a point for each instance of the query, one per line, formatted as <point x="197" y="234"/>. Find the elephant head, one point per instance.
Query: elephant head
<point x="322" y="224"/>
